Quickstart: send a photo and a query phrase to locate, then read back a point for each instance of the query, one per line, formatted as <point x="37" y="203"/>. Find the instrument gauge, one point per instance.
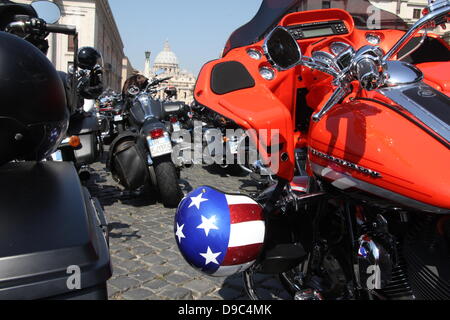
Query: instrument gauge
<point x="267" y="73"/>
<point x="338" y="47"/>
<point x="373" y="39"/>
<point x="323" y="58"/>
<point x="254" y="54"/>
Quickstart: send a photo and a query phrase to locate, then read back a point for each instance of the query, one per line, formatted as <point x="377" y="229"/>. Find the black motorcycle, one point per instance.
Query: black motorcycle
<point x="83" y="144"/>
<point x="142" y="155"/>
<point x="53" y="234"/>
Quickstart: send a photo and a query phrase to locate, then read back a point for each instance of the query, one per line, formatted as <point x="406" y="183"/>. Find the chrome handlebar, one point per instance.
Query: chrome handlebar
<point x="367" y="63"/>
<point x="439" y="11"/>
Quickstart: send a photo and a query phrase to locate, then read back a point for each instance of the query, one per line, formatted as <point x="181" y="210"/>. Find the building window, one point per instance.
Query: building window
<point x="326" y="4"/>
<point x="417" y="13"/>
<point x="71" y="44"/>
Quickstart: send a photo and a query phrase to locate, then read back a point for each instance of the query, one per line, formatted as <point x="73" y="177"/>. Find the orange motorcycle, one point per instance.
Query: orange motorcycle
<point x="361" y="206"/>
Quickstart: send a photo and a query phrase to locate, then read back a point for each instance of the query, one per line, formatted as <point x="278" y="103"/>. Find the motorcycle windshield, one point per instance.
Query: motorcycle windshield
<point x="365" y="14"/>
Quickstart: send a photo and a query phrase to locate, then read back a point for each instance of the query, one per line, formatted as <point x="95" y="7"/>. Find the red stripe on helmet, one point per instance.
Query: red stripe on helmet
<point x="240" y="213"/>
<point x="242" y="255"/>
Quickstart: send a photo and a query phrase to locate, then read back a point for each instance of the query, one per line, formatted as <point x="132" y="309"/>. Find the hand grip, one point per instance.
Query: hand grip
<point x="62" y="29"/>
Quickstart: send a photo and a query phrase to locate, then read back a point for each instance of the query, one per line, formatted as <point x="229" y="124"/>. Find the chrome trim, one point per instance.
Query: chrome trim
<point x="346" y="163"/>
<point x="422" y="40"/>
<point x="401" y="73"/>
<point x="438" y="9"/>
<point x="267" y="54"/>
<point x="352" y="182"/>
<point x="344" y="45"/>
<point x="430" y="120"/>
<point x="337" y="96"/>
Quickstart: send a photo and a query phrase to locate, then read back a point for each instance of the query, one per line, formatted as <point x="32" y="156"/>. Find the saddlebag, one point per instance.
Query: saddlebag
<point x="127" y="163"/>
<point x="53" y="235"/>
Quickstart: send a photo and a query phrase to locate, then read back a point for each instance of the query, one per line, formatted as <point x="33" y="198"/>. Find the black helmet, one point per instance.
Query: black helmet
<point x="33" y="112"/>
<point x="88" y="58"/>
<point x="171" y="92"/>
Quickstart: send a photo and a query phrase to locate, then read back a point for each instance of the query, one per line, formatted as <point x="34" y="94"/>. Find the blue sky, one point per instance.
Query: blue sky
<point x="197" y="30"/>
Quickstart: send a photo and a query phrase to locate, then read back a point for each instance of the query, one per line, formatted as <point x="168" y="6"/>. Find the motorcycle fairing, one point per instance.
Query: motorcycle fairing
<point x="437" y="75"/>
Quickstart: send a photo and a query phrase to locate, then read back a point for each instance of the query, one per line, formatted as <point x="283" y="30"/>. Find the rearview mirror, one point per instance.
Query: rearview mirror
<point x="282" y="50"/>
<point x="47" y="11"/>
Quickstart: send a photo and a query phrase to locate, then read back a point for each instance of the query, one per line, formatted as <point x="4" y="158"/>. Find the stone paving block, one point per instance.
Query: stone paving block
<point x="137" y="294"/>
<point x="177" y="278"/>
<point x="124" y="283"/>
<point x="156" y="285"/>
<point x="142" y="250"/>
<point x="130" y="265"/>
<point x="125" y="254"/>
<point x="162" y="270"/>
<point x="176" y="293"/>
<point x="199" y="287"/>
<point x="143" y="275"/>
<point x="153" y="259"/>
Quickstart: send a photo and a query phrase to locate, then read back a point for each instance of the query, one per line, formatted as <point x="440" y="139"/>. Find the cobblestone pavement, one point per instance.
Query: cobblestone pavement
<point x="147" y="264"/>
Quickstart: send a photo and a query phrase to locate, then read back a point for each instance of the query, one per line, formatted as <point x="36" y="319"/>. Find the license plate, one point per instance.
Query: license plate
<point x="176" y="127"/>
<point x="57" y="156"/>
<point x="159" y="147"/>
<point x="234" y="147"/>
<point x="118" y="118"/>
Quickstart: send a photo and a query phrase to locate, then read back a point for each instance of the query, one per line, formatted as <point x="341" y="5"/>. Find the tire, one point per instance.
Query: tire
<point x="120" y="128"/>
<point x="169" y="189"/>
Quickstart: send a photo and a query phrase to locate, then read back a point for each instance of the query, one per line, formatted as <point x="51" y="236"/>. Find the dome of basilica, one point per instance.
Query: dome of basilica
<point x="166" y="57"/>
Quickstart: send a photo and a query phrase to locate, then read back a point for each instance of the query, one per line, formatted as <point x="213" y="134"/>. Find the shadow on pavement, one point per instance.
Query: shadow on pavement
<point x="122" y="234"/>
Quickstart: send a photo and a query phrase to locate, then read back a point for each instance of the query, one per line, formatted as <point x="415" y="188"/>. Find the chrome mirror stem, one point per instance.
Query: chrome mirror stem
<point x="438" y="10"/>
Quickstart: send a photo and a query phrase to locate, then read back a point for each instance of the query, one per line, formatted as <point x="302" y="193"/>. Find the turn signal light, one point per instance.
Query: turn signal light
<point x="74" y="141"/>
<point x="157" y="133"/>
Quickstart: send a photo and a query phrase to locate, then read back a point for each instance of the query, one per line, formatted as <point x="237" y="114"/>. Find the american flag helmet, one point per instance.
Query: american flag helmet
<point x="219" y="234"/>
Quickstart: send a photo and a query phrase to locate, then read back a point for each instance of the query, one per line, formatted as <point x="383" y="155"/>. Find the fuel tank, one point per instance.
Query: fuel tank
<point x="389" y="152"/>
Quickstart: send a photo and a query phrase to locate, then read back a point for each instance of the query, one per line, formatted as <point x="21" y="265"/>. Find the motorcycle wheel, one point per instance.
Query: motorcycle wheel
<point x="169" y="189"/>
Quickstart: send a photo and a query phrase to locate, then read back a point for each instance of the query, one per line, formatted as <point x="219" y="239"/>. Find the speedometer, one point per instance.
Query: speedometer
<point x="338" y="47"/>
<point x="323" y="58"/>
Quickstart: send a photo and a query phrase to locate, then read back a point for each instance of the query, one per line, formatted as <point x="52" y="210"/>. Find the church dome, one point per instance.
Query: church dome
<point x="166" y="57"/>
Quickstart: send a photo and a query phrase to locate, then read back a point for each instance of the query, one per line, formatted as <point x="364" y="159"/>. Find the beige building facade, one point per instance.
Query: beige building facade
<point x="96" y="28"/>
<point x="166" y="64"/>
<point x="410" y="11"/>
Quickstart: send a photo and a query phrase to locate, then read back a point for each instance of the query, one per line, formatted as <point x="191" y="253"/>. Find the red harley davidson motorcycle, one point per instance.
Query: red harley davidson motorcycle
<point x="367" y="108"/>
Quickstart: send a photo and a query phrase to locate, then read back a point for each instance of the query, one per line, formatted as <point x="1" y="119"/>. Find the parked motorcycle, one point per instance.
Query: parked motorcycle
<point x="111" y="115"/>
<point x="371" y="219"/>
<point x="142" y="156"/>
<point x="54" y="234"/>
<point x="83" y="144"/>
